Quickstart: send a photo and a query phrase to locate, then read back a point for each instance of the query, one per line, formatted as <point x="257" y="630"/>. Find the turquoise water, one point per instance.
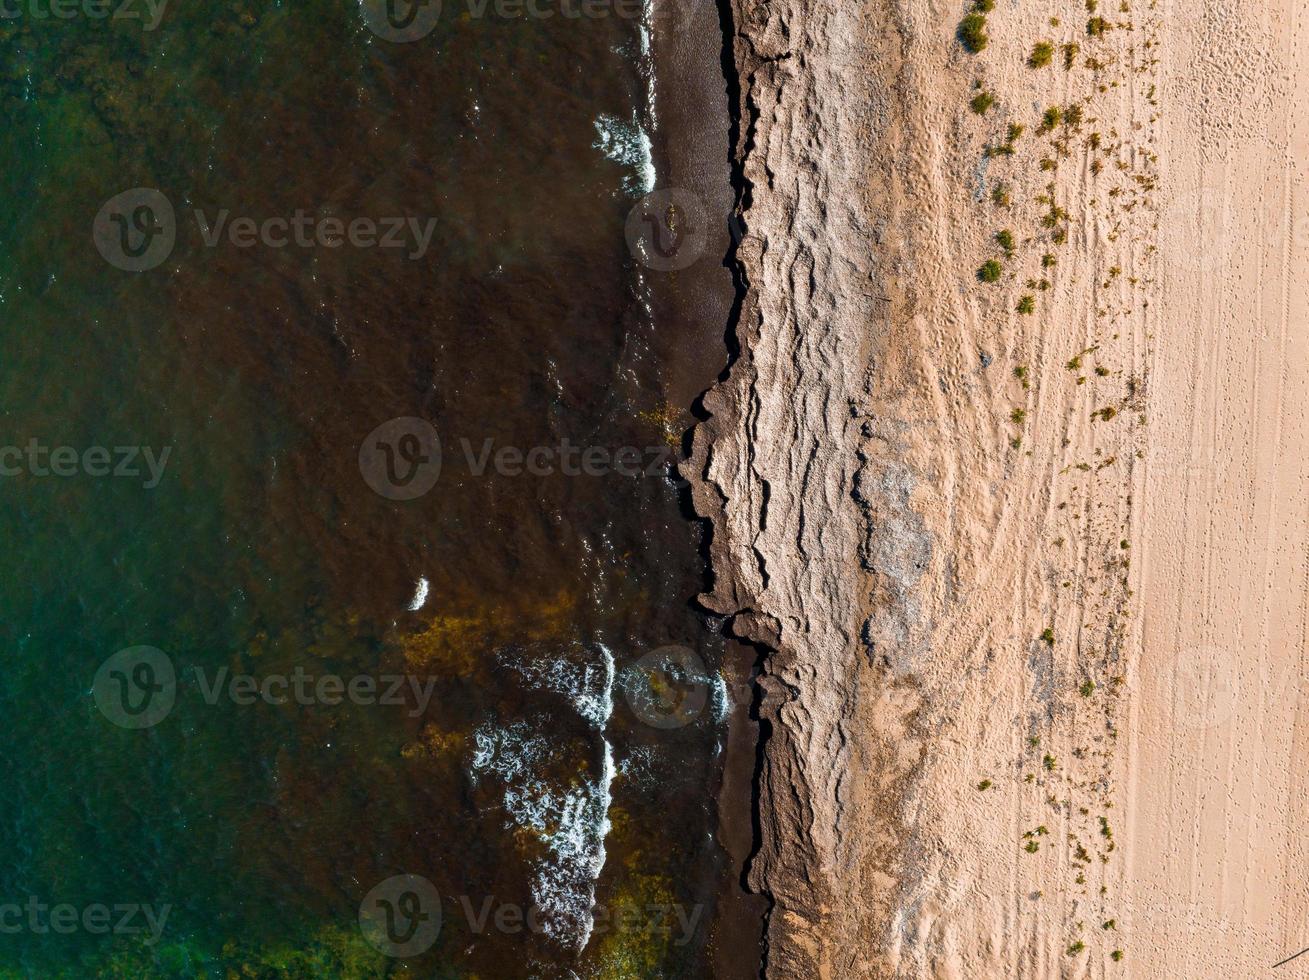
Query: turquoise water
<point x="259" y="548"/>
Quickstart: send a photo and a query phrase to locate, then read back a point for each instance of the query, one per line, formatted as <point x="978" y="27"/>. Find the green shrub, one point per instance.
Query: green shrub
<point x="990" y="271"/>
<point x="981" y="102"/>
<point x="1005" y="239"/>
<point x="1042" y="54"/>
<point x="972" y="33"/>
<point x="1027" y="305"/>
<point x="1097" y="26"/>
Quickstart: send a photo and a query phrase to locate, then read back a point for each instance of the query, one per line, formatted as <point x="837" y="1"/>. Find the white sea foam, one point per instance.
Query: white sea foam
<point x="508" y="752"/>
<point x="564" y="887"/>
<point x="420" y="595"/>
<point x="637" y="766"/>
<point x="572" y="822"/>
<point x="588" y="685"/>
<point x="648" y="65"/>
<point x="719" y="698"/>
<point x="627" y="143"/>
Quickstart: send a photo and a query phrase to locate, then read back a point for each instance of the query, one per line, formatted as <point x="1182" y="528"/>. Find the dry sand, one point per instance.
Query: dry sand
<point x="1033" y="586"/>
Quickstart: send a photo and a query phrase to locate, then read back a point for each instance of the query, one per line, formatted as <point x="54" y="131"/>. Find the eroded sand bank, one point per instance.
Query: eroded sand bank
<point x="1033" y="583"/>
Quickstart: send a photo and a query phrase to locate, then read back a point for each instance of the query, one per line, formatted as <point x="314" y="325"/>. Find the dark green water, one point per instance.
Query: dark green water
<point x="261" y="548"/>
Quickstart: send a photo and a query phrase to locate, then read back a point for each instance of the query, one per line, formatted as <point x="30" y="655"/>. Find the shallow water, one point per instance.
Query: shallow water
<point x="511" y="770"/>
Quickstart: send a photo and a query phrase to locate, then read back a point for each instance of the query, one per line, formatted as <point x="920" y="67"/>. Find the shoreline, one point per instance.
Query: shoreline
<point x="758" y="448"/>
<point x="691" y="309"/>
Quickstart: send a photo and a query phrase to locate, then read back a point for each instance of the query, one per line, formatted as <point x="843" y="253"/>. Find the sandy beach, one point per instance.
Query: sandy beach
<point x="1008" y="480"/>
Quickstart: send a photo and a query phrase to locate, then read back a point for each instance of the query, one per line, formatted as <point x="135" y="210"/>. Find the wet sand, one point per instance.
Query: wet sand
<point x="692" y="311"/>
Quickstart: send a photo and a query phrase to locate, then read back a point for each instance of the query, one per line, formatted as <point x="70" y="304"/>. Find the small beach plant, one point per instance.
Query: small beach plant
<point x="972" y="33"/>
<point x="1042" y="54"/>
